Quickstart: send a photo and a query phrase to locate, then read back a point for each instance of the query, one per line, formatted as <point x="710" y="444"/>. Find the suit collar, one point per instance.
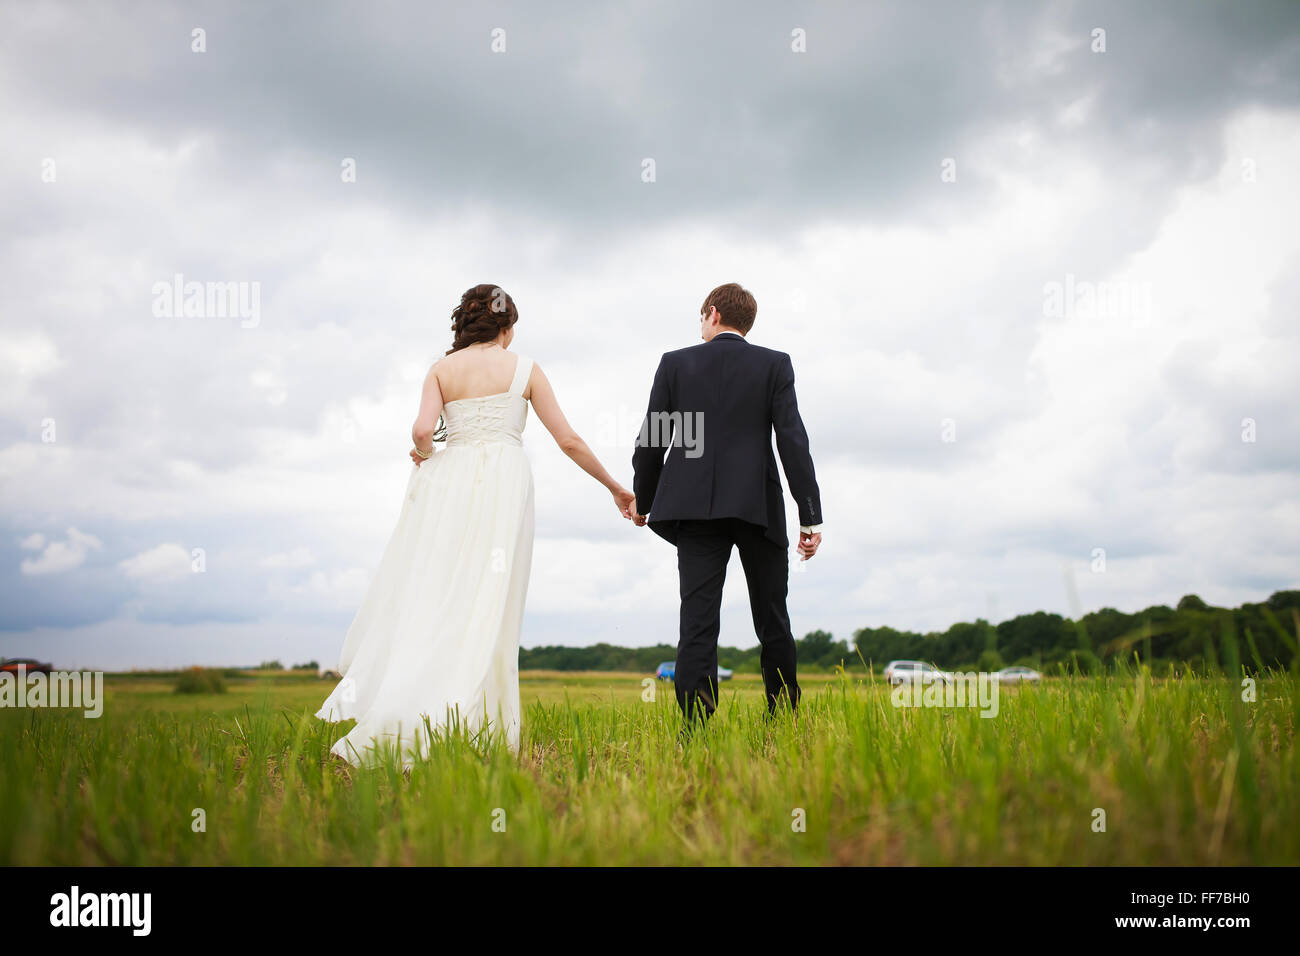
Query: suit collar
<point x="730" y="335"/>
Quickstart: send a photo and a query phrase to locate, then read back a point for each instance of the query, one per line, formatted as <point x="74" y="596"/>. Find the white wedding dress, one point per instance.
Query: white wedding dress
<point x="437" y="634"/>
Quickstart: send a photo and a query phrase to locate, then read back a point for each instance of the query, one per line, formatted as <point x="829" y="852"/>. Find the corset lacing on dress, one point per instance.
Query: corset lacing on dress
<point x="484" y="422"/>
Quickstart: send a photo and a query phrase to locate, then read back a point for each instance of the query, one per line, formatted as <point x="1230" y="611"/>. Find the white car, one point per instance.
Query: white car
<point x="1017" y="675"/>
<point x="905" y="672"/>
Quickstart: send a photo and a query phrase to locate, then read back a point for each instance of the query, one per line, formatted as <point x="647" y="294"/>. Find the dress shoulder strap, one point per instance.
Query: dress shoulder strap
<point x="523" y="369"/>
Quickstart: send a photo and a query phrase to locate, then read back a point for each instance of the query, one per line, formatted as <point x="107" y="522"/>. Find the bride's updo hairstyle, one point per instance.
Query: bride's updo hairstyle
<point x="485" y="311"/>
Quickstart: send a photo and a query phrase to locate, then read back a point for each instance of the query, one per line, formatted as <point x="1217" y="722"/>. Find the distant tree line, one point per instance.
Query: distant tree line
<point x="1193" y="633"/>
<point x="277" y="666"/>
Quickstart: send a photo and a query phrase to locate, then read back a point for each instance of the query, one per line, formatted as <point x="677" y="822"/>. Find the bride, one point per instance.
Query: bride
<point x="435" y="642"/>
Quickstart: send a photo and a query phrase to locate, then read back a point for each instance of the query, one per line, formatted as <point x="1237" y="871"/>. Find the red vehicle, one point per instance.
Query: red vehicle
<point x="10" y="665"/>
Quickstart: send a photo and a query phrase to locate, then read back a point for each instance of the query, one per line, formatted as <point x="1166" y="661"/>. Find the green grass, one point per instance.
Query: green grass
<point x="1186" y="772"/>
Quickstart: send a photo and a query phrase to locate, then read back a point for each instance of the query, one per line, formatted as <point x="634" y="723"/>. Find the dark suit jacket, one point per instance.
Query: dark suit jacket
<point x="721" y="401"/>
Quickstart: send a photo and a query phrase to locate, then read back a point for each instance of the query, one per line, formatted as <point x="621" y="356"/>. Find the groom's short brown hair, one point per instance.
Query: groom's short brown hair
<point x="737" y="306"/>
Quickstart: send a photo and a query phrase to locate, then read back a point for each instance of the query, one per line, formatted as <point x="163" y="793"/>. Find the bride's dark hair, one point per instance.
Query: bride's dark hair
<point x="485" y="311"/>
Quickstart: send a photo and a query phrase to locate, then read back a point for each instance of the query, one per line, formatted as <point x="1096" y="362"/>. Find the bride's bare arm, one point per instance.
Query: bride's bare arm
<point x="426" y="422"/>
<point x="548" y="410"/>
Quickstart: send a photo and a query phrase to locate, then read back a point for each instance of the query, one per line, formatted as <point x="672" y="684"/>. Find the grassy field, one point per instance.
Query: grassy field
<point x="1186" y="772"/>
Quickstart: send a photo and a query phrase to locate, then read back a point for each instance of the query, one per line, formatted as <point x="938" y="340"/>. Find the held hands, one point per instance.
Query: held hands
<point x="627" y="507"/>
<point x="808" y="544"/>
<point x="625" y="500"/>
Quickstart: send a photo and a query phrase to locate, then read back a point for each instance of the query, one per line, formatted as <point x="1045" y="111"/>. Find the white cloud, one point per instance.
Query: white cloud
<point x="161" y="563"/>
<point x="338" y="588"/>
<point x="297" y="558"/>
<point x="59" y="556"/>
<point x="28" y="354"/>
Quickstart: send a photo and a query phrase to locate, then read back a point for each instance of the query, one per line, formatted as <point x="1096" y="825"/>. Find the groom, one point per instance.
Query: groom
<point x="714" y="408"/>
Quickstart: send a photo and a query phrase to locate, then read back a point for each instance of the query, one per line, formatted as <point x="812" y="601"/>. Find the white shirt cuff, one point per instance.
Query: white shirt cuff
<point x="810" y="528"/>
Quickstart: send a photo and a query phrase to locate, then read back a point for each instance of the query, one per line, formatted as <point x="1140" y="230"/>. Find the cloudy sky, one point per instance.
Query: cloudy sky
<point x="1037" y="266"/>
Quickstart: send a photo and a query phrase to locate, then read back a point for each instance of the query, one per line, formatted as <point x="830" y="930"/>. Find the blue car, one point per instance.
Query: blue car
<point x="668" y="669"/>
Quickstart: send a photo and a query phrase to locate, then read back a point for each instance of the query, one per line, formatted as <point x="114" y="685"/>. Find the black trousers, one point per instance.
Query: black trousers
<point x="703" y="550"/>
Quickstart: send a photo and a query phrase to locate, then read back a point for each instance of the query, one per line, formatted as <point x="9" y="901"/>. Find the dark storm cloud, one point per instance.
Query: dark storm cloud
<point x="556" y="127"/>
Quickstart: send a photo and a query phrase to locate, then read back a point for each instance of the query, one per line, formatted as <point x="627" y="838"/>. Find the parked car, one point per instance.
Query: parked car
<point x="1017" y="675"/>
<point x="668" y="669"/>
<point x="10" y="665"/>
<point x="905" y="672"/>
